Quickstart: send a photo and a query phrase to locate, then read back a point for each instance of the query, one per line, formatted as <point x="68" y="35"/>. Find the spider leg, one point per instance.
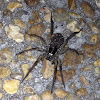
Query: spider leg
<point x="36" y="62"/>
<point x="36" y="48"/>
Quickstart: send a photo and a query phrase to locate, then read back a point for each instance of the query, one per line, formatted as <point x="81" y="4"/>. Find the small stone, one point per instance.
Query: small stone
<point x="47" y="13"/>
<point x="87" y="68"/>
<point x="31" y="21"/>
<point x="13" y="32"/>
<point x="21" y="56"/>
<point x="47" y="96"/>
<point x="11" y="86"/>
<point x="94" y="38"/>
<point x="17" y="76"/>
<point x="87" y="9"/>
<point x="32" y="97"/>
<point x="1" y="25"/>
<point x="81" y="22"/>
<point x="1" y="96"/>
<point x="81" y="92"/>
<point x="72" y="85"/>
<point x="28" y="53"/>
<point x="7" y="12"/>
<point x="31" y="58"/>
<point x="89" y="50"/>
<point x="67" y="75"/>
<point x="48" y="69"/>
<point x="31" y="2"/>
<point x="19" y="23"/>
<point x="60" y="15"/>
<point x="97" y="62"/>
<point x="97" y="3"/>
<point x="98" y="80"/>
<point x="13" y="5"/>
<point x="4" y="72"/>
<point x="25" y="68"/>
<point x="97" y="71"/>
<point x="94" y="28"/>
<point x="71" y="4"/>
<point x="72" y="96"/>
<point x="75" y="15"/>
<point x="60" y="93"/>
<point x="1" y="83"/>
<point x="28" y="89"/>
<point x="83" y="80"/>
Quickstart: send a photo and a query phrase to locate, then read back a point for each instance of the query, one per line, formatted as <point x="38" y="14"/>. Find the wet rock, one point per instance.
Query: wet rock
<point x="94" y="28"/>
<point x="31" y="2"/>
<point x="46" y="95"/>
<point x="87" y="68"/>
<point x="48" y="69"/>
<point x="1" y="25"/>
<point x="97" y="62"/>
<point x="4" y="72"/>
<point x="89" y="50"/>
<point x="72" y="59"/>
<point x="46" y="14"/>
<point x="71" y="4"/>
<point x="84" y="80"/>
<point x="94" y="38"/>
<point x="72" y="85"/>
<point x="1" y="84"/>
<point x="60" y="15"/>
<point x="28" y="89"/>
<point x="75" y="15"/>
<point x="81" y="92"/>
<point x="19" y="23"/>
<point x="11" y="86"/>
<point x="13" y="5"/>
<point x="87" y="9"/>
<point x="5" y="55"/>
<point x="1" y="94"/>
<point x="25" y="68"/>
<point x="67" y="75"/>
<point x="97" y="3"/>
<point x="60" y="93"/>
<point x="97" y="71"/>
<point x="13" y="32"/>
<point x="7" y="12"/>
<point x="17" y="76"/>
<point x="72" y="96"/>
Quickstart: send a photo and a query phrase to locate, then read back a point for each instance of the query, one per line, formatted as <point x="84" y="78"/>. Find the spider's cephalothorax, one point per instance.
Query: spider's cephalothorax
<point x="52" y="51"/>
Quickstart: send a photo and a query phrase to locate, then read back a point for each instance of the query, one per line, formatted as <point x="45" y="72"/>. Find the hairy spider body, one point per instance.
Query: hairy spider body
<point x="52" y="51"/>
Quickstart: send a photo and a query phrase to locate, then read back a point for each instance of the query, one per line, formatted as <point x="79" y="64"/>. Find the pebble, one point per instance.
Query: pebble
<point x="1" y="94"/>
<point x="81" y="92"/>
<point x="17" y="76"/>
<point x="97" y="71"/>
<point x="19" y="23"/>
<point x="31" y="58"/>
<point x="94" y="28"/>
<point x="72" y="85"/>
<point x="87" y="9"/>
<point x="46" y="13"/>
<point x="84" y="80"/>
<point x="7" y="12"/>
<point x="28" y="89"/>
<point x="28" y="53"/>
<point x="60" y="15"/>
<point x="60" y="93"/>
<point x="72" y="96"/>
<point x="1" y="25"/>
<point x="13" y="5"/>
<point x="13" y="32"/>
<point x="98" y="80"/>
<point x="71" y="4"/>
<point x="48" y="69"/>
<point x="32" y="97"/>
<point x="25" y="68"/>
<point x="4" y="72"/>
<point x="94" y="38"/>
<point x="67" y="75"/>
<point x="75" y="15"/>
<point x="97" y="62"/>
<point x="31" y="2"/>
<point x="11" y="86"/>
<point x="46" y="95"/>
<point x="1" y="83"/>
<point x="21" y="56"/>
<point x="97" y="3"/>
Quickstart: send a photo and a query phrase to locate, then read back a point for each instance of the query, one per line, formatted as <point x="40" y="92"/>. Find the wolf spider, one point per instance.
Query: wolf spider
<point x="56" y="47"/>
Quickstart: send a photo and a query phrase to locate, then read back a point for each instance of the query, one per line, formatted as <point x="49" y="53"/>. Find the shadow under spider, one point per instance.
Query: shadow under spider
<point x="52" y="51"/>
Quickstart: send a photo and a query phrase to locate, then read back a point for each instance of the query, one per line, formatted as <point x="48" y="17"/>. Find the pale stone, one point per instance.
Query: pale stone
<point x="97" y="71"/>
<point x="97" y="62"/>
<point x="75" y="15"/>
<point x="94" y="38"/>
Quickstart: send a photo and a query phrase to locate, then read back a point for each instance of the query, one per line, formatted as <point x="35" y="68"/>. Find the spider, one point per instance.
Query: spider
<point x="55" y="47"/>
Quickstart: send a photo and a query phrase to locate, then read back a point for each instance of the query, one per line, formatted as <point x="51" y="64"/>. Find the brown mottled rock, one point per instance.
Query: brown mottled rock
<point x="1" y="94"/>
<point x="11" y="86"/>
<point x="48" y="69"/>
<point x="72" y="96"/>
<point x="67" y="75"/>
<point x="1" y="84"/>
<point x="60" y="15"/>
<point x="19" y="23"/>
<point x="4" y="72"/>
<point x="17" y="76"/>
<point x="84" y="80"/>
<point x="46" y="95"/>
<point x="60" y="93"/>
<point x="81" y="92"/>
<point x="28" y="89"/>
<point x="94" y="38"/>
<point x="89" y="50"/>
<point x="75" y="15"/>
<point x="72" y="59"/>
<point x="7" y="12"/>
<point x="71" y="4"/>
<point x="31" y="2"/>
<point x="87" y="9"/>
<point x="25" y="68"/>
<point x="13" y="5"/>
<point x="1" y="25"/>
<point x="21" y="56"/>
